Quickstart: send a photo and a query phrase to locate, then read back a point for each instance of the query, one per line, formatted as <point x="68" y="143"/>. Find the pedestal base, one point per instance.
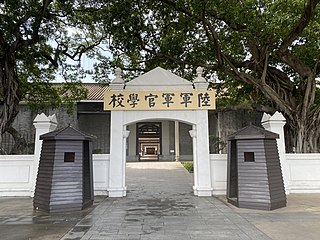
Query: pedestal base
<point x="202" y="192"/>
<point x="117" y="192"/>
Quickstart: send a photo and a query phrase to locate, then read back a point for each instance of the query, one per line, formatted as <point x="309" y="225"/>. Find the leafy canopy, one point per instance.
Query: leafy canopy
<point x="41" y="39"/>
<point x="219" y="35"/>
<point x="265" y="53"/>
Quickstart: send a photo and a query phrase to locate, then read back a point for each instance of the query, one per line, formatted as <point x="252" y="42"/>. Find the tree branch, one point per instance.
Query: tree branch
<point x="253" y="106"/>
<point x="35" y="28"/>
<point x="20" y="143"/>
<point x="213" y="40"/>
<point x="265" y="68"/>
<point x="81" y="49"/>
<point x="179" y="7"/>
<point x="301" y="25"/>
<point x="283" y="51"/>
<point x="270" y="93"/>
<point x="172" y="58"/>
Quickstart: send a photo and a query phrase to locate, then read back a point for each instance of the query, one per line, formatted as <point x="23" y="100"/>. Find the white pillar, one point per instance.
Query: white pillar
<point x="201" y="156"/>
<point x="193" y="134"/>
<point x="118" y="137"/>
<point x="275" y="123"/>
<point x="43" y="124"/>
<point x="177" y="140"/>
<point x="165" y="141"/>
<point x="125" y="136"/>
<point x="203" y="186"/>
<point x="132" y="147"/>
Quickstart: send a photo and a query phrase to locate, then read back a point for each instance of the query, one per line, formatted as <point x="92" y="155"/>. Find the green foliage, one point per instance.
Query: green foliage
<point x="216" y="145"/>
<point x="38" y="40"/>
<point x="265" y="53"/>
<point x="46" y="95"/>
<point x="172" y="34"/>
<point x="188" y="166"/>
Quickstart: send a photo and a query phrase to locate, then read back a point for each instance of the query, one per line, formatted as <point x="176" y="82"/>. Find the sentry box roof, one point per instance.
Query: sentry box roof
<point x="67" y="133"/>
<point x="253" y="132"/>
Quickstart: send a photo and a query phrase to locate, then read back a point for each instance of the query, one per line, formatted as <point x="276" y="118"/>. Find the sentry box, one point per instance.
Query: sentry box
<point x="254" y="172"/>
<point x="64" y="180"/>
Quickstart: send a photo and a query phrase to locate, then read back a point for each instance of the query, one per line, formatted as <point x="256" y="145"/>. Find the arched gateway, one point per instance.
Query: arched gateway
<point x="159" y="95"/>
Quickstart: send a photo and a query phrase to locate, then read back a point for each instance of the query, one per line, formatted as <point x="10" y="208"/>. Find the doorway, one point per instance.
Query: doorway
<point x="120" y="144"/>
<point x="148" y="141"/>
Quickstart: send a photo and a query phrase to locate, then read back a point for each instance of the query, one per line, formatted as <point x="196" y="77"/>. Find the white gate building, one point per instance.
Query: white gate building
<point x="158" y="82"/>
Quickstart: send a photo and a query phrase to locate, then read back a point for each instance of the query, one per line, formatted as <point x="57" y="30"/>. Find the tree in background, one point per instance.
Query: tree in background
<point x="36" y="40"/>
<point x="265" y="53"/>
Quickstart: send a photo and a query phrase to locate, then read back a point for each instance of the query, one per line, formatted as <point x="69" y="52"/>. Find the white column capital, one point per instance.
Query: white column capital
<point x="117" y="83"/>
<point x="200" y="83"/>
<point x="126" y="133"/>
<point x="41" y="121"/>
<point x="277" y="119"/>
<point x="193" y="133"/>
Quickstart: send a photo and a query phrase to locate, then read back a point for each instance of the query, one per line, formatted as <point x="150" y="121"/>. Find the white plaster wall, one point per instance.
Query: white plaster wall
<point x="101" y="164"/>
<point x="187" y="116"/>
<point x="16" y="174"/>
<point x="218" y="168"/>
<point x="304" y="172"/>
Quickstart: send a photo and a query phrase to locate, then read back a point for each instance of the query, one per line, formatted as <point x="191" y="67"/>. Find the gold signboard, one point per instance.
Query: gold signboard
<point x="159" y="100"/>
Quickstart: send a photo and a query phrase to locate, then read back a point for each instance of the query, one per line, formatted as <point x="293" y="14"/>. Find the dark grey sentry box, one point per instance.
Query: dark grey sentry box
<point x="254" y="172"/>
<point x="64" y="181"/>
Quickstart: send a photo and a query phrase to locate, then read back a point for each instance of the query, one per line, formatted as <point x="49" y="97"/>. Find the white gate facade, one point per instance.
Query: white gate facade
<point x="159" y="79"/>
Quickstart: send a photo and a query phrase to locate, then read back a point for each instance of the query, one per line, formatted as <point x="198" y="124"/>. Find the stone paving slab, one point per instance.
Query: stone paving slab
<point x="299" y="220"/>
<point x="160" y="205"/>
<point x="18" y="221"/>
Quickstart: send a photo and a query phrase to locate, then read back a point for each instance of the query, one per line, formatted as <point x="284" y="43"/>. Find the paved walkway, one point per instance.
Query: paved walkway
<point x="160" y="205"/>
<point x="18" y="221"/>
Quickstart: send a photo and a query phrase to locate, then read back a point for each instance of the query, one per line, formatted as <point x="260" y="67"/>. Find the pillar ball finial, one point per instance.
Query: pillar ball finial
<point x="199" y="71"/>
<point x="118" y="72"/>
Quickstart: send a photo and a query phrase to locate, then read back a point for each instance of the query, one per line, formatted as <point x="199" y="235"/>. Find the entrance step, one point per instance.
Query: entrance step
<point x="149" y="158"/>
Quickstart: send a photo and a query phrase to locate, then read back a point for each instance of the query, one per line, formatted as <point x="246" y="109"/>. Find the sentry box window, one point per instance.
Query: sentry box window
<point x="249" y="156"/>
<point x="69" y="156"/>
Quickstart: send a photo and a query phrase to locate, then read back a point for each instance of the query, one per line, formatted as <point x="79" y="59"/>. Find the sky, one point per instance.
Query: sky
<point x="86" y="64"/>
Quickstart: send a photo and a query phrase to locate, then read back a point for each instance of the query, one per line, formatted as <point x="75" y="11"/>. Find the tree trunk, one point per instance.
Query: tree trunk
<point x="19" y="142"/>
<point x="9" y="87"/>
<point x="301" y="145"/>
<point x="306" y="134"/>
<point x="2" y="151"/>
